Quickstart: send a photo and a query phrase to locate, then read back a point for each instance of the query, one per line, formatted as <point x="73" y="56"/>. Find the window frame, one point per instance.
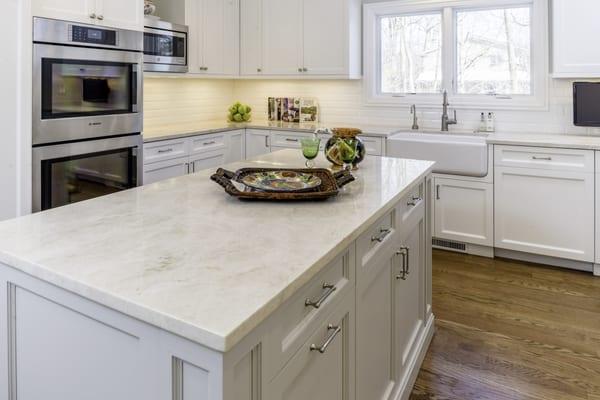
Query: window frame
<point x="373" y="12"/>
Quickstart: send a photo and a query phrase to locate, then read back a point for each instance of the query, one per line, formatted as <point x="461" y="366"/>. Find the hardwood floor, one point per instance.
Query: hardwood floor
<point x="511" y="330"/>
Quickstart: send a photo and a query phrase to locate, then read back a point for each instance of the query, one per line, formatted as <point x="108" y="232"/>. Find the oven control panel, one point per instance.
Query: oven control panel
<point x="85" y="34"/>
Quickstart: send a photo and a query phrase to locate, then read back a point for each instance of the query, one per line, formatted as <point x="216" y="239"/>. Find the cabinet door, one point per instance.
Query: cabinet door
<point x="194" y="11"/>
<point x="282" y="37"/>
<point x="325" y="37"/>
<point x="208" y="160"/>
<point x="251" y="37"/>
<point x="546" y="212"/>
<point x="165" y="169"/>
<point x="124" y="14"/>
<point x="573" y="20"/>
<point x="464" y="211"/>
<point x="321" y="375"/>
<point x="235" y="148"/>
<point x="69" y="10"/>
<point x="220" y="37"/>
<point x="374" y="330"/>
<point x="257" y="143"/>
<point x="409" y="298"/>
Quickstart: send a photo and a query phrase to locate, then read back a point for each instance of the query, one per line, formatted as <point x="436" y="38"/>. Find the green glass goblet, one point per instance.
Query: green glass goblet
<point x="310" y="150"/>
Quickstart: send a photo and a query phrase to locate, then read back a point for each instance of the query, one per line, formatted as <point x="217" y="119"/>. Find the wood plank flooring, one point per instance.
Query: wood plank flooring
<point x="511" y="330"/>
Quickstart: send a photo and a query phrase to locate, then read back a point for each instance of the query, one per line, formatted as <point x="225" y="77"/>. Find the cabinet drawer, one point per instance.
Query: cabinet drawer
<point x="303" y="312"/>
<point x="374" y="240"/>
<point x="288" y="140"/>
<point x="544" y="158"/>
<point x="373" y="145"/>
<point x="206" y="143"/>
<point x="411" y="208"/>
<point x="164" y="150"/>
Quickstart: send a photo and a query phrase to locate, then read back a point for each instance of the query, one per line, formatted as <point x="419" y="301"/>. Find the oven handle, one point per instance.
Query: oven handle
<point x="134" y="87"/>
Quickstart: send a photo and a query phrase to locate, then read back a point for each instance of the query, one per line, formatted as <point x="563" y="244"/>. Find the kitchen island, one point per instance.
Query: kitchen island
<point x="177" y="291"/>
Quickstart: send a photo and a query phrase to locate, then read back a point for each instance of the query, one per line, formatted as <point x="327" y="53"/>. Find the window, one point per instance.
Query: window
<point x="484" y="53"/>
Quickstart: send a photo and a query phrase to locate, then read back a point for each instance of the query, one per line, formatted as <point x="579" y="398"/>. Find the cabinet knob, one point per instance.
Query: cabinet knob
<point x="93" y="16"/>
<point x="258" y="70"/>
<point x="304" y="69"/>
<point x="100" y="17"/>
<point x="299" y="69"/>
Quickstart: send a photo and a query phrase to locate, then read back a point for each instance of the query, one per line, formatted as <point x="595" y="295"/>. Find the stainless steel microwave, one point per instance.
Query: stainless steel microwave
<point x="165" y="46"/>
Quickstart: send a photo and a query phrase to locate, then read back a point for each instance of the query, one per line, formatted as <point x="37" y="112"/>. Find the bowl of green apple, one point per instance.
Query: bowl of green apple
<point x="239" y="112"/>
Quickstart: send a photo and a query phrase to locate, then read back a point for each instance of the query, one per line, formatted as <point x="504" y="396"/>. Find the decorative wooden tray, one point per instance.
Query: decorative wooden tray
<point x="330" y="184"/>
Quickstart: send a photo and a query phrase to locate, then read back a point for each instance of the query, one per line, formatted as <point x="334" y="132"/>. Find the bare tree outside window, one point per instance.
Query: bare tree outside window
<point x="411" y="54"/>
<point x="494" y="51"/>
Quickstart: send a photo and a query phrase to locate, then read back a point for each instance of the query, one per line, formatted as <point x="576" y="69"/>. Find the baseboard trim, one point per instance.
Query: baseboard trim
<point x="545" y="260"/>
<point x="406" y="387"/>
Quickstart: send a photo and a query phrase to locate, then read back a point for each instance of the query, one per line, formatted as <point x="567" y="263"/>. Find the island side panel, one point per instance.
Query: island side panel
<point x="55" y="344"/>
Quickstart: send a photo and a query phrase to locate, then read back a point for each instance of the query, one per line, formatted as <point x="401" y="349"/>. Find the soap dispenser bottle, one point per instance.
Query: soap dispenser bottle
<point x="483" y="123"/>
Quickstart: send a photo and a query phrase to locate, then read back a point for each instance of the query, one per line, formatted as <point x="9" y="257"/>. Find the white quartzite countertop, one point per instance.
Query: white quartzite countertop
<point x="184" y="256"/>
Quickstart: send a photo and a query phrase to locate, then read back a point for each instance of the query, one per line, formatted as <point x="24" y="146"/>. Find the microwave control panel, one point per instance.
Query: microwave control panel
<point x="84" y="34"/>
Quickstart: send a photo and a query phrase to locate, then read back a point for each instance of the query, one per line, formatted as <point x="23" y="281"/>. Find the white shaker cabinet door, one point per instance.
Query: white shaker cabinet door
<point x="220" y="37"/>
<point x="282" y="37"/>
<point x="122" y="14"/>
<point x="572" y="23"/>
<point x="546" y="212"/>
<point x="251" y="54"/>
<point x="464" y="211"/>
<point x="165" y="169"/>
<point x="69" y="10"/>
<point x="257" y="142"/>
<point x="325" y="37"/>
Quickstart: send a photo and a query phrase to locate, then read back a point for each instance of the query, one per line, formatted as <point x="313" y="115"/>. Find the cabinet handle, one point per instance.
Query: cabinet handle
<point x="334" y="332"/>
<point x="329" y="289"/>
<point x="93" y="16"/>
<point x="383" y="233"/>
<point x="291" y="140"/>
<point x="402" y="252"/>
<point x="437" y="192"/>
<point x="208" y="143"/>
<point x="165" y="151"/>
<point x="258" y="70"/>
<point x="304" y="69"/>
<point x="541" y="158"/>
<point x="100" y="17"/>
<point x="414" y="201"/>
<point x="187" y="167"/>
<point x="299" y="69"/>
<point x="266" y="141"/>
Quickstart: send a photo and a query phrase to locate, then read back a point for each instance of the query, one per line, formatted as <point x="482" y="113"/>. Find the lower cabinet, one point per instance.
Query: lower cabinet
<point x="464" y="211"/>
<point x="257" y="142"/>
<point x="162" y="170"/>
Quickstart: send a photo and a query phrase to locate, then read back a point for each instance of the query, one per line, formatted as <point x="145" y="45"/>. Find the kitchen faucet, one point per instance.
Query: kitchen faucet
<point x="413" y="111"/>
<point x="445" y="120"/>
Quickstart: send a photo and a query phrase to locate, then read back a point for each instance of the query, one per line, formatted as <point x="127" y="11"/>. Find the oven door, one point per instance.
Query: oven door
<point x="165" y="51"/>
<point x="82" y="93"/>
<point x="72" y="172"/>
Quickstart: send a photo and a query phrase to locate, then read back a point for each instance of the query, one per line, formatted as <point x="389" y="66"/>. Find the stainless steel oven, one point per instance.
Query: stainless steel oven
<point x="71" y="172"/>
<point x="87" y="81"/>
<point x="165" y="47"/>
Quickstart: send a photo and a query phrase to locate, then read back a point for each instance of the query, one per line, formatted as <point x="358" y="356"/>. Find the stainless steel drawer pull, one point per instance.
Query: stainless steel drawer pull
<point x="208" y="143"/>
<point x="414" y="201"/>
<point x="334" y="332"/>
<point x="437" y="192"/>
<point x="404" y="253"/>
<point x="165" y="151"/>
<point x="542" y="158"/>
<point x="383" y="233"/>
<point x="291" y="140"/>
<point x="329" y="289"/>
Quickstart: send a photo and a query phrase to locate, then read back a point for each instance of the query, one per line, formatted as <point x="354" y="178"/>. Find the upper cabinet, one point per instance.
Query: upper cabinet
<point x="214" y="36"/>
<point x="122" y="14"/>
<point x="301" y="38"/>
<point x="574" y="24"/>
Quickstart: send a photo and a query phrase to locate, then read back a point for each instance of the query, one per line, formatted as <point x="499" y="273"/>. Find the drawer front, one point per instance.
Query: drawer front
<point x="373" y="145"/>
<point x="375" y="240"/>
<point x="208" y="160"/>
<point x="206" y="143"/>
<point x="164" y="150"/>
<point x="288" y="140"/>
<point x="544" y="158"/>
<point x="410" y="209"/>
<point x="304" y="311"/>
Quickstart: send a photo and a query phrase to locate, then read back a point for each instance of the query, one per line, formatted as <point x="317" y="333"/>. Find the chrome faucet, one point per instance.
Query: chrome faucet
<point x="413" y="111"/>
<point x="445" y="120"/>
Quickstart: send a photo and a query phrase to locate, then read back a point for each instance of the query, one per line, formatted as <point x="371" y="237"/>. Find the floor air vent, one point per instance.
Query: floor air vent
<point x="447" y="244"/>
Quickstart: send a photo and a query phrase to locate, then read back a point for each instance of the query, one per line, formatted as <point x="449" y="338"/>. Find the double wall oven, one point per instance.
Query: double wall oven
<point x="87" y="111"/>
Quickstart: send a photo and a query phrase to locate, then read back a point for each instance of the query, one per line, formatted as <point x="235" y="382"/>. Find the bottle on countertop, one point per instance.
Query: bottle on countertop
<point x="483" y="123"/>
<point x="490" y="122"/>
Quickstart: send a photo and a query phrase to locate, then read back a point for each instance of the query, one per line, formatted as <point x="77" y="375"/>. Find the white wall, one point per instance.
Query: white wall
<point x="9" y="110"/>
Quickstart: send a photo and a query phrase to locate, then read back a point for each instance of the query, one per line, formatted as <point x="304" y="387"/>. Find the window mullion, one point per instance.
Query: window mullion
<point x="448" y="50"/>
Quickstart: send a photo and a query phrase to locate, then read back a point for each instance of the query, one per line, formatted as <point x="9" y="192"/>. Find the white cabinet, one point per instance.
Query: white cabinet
<point x="124" y="14"/>
<point x="572" y="22"/>
<point x="162" y="170"/>
<point x="214" y="36"/>
<point x="257" y="142"/>
<point x="544" y="201"/>
<point x="464" y="211"/>
<point x="301" y="38"/>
